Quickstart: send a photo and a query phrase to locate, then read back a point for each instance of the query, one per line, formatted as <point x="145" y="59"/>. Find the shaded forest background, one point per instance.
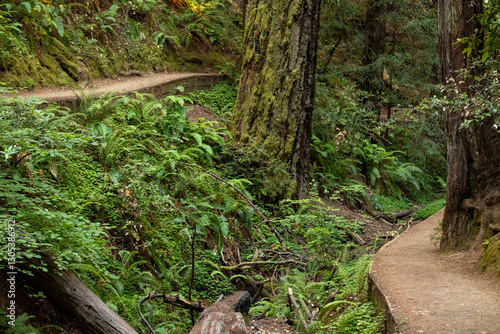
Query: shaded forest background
<point x="108" y="191"/>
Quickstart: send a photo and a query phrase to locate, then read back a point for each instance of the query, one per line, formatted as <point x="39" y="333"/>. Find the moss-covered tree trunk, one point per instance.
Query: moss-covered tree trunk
<point x="473" y="183"/>
<point x="275" y="101"/>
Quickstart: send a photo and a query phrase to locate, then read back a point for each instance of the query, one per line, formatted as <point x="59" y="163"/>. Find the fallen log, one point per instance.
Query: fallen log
<point x="401" y="214"/>
<point x="69" y="295"/>
<point x="225" y="316"/>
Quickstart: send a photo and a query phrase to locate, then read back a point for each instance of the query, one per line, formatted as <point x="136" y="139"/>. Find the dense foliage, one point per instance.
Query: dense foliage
<point x="112" y="190"/>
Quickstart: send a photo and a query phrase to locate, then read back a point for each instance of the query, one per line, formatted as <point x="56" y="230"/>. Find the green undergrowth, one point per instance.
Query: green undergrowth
<point x="429" y="210"/>
<point x="220" y="99"/>
<point x="55" y="43"/>
<point x="108" y="191"/>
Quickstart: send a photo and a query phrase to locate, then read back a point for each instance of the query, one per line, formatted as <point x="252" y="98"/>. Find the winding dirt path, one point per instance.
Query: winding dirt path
<point x="123" y="85"/>
<point x="428" y="292"/>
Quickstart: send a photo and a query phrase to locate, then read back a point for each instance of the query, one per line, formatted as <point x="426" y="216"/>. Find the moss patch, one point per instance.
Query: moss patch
<point x="30" y="72"/>
<point x="490" y="259"/>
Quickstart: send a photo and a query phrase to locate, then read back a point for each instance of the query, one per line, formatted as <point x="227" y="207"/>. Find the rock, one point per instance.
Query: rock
<point x="225" y="316"/>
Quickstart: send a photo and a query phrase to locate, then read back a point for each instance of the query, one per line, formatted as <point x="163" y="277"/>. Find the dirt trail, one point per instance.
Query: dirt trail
<point x="428" y="292"/>
<point x="121" y="84"/>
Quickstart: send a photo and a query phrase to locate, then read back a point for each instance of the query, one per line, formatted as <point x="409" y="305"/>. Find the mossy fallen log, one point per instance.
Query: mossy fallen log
<point x="69" y="295"/>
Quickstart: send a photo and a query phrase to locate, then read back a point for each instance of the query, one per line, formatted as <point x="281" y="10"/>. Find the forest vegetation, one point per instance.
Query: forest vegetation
<point x="135" y="197"/>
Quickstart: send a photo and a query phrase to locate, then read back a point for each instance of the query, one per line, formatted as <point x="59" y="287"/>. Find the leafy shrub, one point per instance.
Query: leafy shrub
<point x="220" y="99"/>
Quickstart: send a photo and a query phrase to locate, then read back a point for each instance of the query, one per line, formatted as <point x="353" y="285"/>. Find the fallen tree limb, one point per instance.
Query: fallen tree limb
<point x="291" y="297"/>
<point x="225" y="316"/>
<point x="245" y="265"/>
<point x="70" y="296"/>
<point x="257" y="287"/>
<point x="400" y="214"/>
<point x="247" y="200"/>
<point x="331" y="297"/>
<point x="306" y="309"/>
<point x="174" y="300"/>
<point x="353" y="235"/>
<point x="384" y="221"/>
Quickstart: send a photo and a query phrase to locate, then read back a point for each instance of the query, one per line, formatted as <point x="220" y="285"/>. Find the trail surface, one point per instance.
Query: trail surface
<point x="121" y="84"/>
<point x="428" y="292"/>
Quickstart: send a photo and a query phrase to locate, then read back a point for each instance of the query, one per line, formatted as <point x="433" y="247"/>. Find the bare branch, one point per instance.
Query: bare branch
<point x="246" y="265"/>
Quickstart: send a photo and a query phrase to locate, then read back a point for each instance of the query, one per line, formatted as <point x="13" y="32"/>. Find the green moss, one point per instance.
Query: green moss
<point x="430" y="209"/>
<point x="30" y="72"/>
<point x="490" y="258"/>
<point x="67" y="61"/>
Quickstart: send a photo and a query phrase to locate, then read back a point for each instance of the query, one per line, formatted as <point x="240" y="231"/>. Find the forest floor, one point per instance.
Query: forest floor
<point x="431" y="292"/>
<point x="428" y="292"/>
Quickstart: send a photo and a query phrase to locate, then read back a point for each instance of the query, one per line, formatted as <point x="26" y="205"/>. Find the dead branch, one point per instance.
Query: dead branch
<point x="150" y="296"/>
<point x="247" y="200"/>
<point x="398" y="215"/>
<point x="291" y="297"/>
<point x="331" y="297"/>
<point x="306" y="309"/>
<point x="246" y="265"/>
<point x="256" y="286"/>
<point x="385" y="221"/>
<point x="353" y="235"/>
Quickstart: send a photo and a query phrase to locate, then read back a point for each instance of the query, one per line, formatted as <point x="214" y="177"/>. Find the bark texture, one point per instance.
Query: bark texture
<point x="225" y="316"/>
<point x="375" y="27"/>
<point x="275" y="101"/>
<point x="72" y="298"/>
<point x="473" y="154"/>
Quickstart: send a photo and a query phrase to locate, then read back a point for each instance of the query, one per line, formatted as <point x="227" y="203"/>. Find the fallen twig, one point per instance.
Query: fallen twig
<point x="353" y="235"/>
<point x="173" y="300"/>
<point x="291" y="297"/>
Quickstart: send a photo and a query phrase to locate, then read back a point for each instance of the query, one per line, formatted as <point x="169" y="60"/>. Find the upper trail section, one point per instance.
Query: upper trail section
<point x="158" y="84"/>
<point x="425" y="291"/>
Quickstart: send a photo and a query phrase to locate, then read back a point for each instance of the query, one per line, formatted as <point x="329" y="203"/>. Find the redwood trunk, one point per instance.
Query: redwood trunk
<point x="275" y="101"/>
<point x="473" y="154"/>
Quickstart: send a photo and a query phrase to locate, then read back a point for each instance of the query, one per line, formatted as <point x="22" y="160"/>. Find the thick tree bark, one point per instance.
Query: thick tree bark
<point x="72" y="298"/>
<point x="275" y="100"/>
<point x="473" y="153"/>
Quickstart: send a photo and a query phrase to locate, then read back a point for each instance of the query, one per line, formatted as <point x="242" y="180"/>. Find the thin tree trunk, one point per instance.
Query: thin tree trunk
<point x="375" y="27"/>
<point x="275" y="101"/>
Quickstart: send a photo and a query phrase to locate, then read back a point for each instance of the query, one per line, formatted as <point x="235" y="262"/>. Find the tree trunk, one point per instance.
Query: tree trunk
<point x="375" y="27"/>
<point x="275" y="100"/>
<point x="473" y="154"/>
<point x="225" y="316"/>
<point x="72" y="298"/>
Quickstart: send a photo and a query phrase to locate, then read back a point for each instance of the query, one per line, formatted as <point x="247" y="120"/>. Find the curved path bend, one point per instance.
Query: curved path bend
<point x="424" y="291"/>
<point x="158" y="84"/>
